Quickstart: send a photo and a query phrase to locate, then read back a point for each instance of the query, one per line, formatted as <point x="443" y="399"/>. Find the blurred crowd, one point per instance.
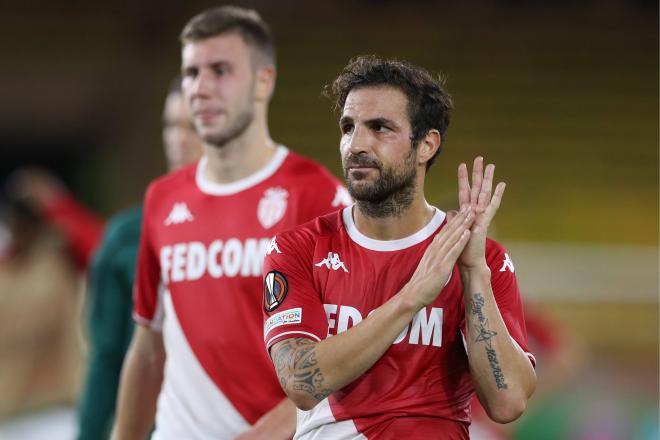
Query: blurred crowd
<point x="48" y="239"/>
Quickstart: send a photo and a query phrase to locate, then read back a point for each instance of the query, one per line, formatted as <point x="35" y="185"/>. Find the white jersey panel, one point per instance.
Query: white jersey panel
<point x="190" y="405"/>
<point x="319" y="424"/>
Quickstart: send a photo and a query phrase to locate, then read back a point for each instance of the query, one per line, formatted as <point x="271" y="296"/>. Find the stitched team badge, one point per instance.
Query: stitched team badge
<point x="275" y="289"/>
<point x="272" y="206"/>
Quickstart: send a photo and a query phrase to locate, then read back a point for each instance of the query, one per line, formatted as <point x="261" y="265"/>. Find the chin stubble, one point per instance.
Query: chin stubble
<point x="391" y="194"/>
<point x="239" y="127"/>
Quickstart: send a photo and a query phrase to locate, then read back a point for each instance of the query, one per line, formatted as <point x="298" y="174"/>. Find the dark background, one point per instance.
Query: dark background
<point x="563" y="96"/>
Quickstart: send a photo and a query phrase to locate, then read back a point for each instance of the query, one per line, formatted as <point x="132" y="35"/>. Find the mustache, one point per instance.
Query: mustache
<point x="361" y="161"/>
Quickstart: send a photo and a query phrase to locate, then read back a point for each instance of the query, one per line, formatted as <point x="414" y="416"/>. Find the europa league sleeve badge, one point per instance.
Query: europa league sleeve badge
<point x="275" y="290"/>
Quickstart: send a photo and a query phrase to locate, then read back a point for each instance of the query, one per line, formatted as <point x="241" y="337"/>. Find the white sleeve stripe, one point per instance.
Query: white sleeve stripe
<point x="156" y="321"/>
<point x="141" y="320"/>
<point x="159" y="313"/>
<point x="270" y="341"/>
<point x="529" y="355"/>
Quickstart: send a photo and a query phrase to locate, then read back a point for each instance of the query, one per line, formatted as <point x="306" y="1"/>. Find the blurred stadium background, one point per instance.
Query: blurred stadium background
<point x="562" y="96"/>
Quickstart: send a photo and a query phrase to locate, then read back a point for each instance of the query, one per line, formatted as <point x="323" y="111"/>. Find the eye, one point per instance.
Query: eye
<point x="190" y="72"/>
<point x="346" y="128"/>
<point x="220" y="69"/>
<point x="380" y="128"/>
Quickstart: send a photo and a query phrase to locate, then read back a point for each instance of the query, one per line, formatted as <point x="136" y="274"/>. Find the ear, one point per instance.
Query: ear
<point x="264" y="82"/>
<point x="428" y="146"/>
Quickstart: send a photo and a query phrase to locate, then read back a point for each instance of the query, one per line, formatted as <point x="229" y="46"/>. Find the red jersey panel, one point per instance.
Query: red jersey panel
<point x="332" y="277"/>
<point x="199" y="278"/>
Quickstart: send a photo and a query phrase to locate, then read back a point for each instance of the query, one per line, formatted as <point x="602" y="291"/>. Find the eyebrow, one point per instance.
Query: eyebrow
<point x="219" y="63"/>
<point x="381" y="121"/>
<point x="374" y="121"/>
<point x="211" y="64"/>
<point x="345" y="120"/>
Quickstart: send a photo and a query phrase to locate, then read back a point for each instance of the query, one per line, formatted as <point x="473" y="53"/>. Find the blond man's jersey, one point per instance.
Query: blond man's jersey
<point x="199" y="280"/>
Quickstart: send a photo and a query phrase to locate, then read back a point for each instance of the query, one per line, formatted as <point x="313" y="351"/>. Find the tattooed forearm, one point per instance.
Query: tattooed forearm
<point x="484" y="334"/>
<point x="297" y="368"/>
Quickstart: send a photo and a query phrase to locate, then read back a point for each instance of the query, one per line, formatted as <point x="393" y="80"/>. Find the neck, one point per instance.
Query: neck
<point x="399" y="224"/>
<point x="240" y="157"/>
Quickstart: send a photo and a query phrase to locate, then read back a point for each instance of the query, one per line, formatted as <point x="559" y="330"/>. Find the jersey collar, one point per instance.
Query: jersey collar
<point x="226" y="189"/>
<point x="391" y="245"/>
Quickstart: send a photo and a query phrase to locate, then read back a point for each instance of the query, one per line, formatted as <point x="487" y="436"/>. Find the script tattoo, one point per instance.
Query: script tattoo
<point x="484" y="334"/>
<point x="297" y="368"/>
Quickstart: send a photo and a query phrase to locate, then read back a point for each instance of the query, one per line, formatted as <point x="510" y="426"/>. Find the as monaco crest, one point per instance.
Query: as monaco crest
<point x="272" y="206"/>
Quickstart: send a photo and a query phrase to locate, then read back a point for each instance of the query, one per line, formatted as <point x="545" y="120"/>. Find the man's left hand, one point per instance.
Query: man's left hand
<point x="484" y="204"/>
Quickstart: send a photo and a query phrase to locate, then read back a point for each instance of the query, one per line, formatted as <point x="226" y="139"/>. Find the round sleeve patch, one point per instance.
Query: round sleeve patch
<point x="275" y="290"/>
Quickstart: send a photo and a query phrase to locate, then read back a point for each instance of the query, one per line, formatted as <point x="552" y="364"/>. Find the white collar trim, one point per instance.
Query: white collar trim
<point x="391" y="245"/>
<point x="225" y="189"/>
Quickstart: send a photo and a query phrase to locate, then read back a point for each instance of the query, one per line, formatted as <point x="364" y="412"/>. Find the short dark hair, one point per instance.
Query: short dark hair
<point x="429" y="105"/>
<point x="227" y="19"/>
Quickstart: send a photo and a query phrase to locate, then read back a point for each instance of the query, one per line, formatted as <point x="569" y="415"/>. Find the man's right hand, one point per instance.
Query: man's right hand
<point x="437" y="264"/>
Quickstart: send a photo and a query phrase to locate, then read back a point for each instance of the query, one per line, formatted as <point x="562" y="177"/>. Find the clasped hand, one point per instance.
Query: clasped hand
<point x="463" y="238"/>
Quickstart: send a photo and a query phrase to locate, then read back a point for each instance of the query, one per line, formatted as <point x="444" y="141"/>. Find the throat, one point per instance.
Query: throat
<point x="410" y="221"/>
<point x="236" y="161"/>
<point x="394" y="205"/>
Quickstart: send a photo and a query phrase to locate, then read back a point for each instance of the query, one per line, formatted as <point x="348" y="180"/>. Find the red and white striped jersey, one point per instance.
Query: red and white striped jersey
<point x="199" y="279"/>
<point x="324" y="277"/>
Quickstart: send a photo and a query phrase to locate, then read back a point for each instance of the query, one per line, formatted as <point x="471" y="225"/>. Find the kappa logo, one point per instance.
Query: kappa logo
<point x="507" y="264"/>
<point x="272" y="206"/>
<point x="272" y="246"/>
<point x="179" y="214"/>
<point x="275" y="290"/>
<point x="332" y="262"/>
<point x="342" y="197"/>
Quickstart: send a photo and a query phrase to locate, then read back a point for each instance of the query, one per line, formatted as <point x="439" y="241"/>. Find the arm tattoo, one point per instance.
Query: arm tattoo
<point x="297" y="368"/>
<point x="484" y="334"/>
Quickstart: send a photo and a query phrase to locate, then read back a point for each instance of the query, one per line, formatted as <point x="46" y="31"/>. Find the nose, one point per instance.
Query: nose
<point x="359" y="141"/>
<point x="201" y="84"/>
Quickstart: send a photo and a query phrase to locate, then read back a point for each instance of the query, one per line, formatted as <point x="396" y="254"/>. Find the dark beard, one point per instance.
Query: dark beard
<point x="391" y="194"/>
<point x="239" y="126"/>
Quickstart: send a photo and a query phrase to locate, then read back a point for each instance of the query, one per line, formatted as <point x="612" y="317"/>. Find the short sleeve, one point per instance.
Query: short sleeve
<point x="507" y="294"/>
<point x="291" y="305"/>
<point x="147" y="294"/>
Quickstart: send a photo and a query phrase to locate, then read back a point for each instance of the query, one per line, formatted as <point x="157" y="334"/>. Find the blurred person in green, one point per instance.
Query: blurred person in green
<point x="111" y="277"/>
